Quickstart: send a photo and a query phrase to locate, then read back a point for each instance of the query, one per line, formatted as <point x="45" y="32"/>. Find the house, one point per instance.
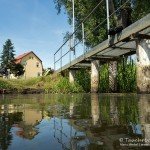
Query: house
<point x="32" y="64"/>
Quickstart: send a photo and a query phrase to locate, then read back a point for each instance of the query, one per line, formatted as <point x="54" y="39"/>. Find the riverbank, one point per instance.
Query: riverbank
<point x="48" y="84"/>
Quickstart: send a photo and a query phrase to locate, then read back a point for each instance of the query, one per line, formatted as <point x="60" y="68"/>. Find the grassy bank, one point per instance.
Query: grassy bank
<point x="126" y="81"/>
<point x="48" y="84"/>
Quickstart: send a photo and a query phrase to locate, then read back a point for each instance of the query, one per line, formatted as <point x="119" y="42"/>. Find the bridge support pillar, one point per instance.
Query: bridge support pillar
<point x="95" y="76"/>
<point x="72" y="73"/>
<point x="143" y="66"/>
<point x="112" y="76"/>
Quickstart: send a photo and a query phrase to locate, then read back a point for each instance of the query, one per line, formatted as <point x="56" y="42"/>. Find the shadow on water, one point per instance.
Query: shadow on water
<point x="74" y="122"/>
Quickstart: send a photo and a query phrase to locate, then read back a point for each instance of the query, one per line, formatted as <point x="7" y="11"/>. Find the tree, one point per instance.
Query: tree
<point x="18" y="70"/>
<point x="7" y="57"/>
<point x="131" y="11"/>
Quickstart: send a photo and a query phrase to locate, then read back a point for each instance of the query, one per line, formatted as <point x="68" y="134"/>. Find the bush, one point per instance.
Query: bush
<point x="83" y="79"/>
<point x="4" y="84"/>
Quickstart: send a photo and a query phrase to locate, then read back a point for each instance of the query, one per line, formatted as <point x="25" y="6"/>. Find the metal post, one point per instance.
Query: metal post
<point x="73" y="25"/>
<point x="83" y="38"/>
<point x="108" y="25"/>
<point x="70" y="50"/>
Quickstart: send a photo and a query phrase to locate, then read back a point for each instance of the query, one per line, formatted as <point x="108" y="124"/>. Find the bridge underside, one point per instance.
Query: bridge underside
<point x="109" y="54"/>
<point x="125" y="43"/>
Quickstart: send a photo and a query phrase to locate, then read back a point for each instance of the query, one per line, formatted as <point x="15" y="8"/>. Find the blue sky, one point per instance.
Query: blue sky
<point x="33" y="25"/>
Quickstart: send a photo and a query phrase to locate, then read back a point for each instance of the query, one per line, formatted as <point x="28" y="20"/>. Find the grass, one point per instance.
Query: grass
<point x="50" y="84"/>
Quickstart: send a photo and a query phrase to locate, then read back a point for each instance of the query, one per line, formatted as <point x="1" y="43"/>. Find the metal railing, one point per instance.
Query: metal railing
<point x="63" y="52"/>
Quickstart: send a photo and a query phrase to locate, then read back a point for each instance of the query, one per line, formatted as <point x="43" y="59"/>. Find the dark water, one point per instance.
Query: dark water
<point x="74" y="122"/>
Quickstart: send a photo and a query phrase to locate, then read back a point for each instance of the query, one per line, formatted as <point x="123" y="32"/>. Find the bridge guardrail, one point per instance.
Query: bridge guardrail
<point x="71" y="48"/>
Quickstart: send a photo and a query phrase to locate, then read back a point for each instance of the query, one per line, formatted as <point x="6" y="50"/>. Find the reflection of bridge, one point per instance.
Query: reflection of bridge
<point x="69" y="139"/>
<point x="133" y="39"/>
<point x="61" y="133"/>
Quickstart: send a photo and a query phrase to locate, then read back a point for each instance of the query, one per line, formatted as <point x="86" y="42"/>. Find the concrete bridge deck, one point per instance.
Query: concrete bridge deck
<point x="116" y="47"/>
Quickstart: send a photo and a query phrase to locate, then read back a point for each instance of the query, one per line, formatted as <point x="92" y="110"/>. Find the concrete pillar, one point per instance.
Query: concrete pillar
<point x="143" y="66"/>
<point x="72" y="75"/>
<point x="94" y="76"/>
<point x="95" y="112"/>
<point x="112" y="76"/>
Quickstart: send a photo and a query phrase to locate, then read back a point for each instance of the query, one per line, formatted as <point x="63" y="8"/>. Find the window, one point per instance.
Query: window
<point x="30" y="57"/>
<point x="38" y="74"/>
<point x="37" y="65"/>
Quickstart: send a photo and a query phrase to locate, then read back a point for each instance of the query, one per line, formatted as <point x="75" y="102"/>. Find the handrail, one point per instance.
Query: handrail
<point x="60" y="59"/>
<point x="79" y="26"/>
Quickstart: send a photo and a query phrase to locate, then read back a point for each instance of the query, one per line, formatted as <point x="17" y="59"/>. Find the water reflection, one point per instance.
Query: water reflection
<point x="95" y="111"/>
<point x="114" y="116"/>
<point x="79" y="121"/>
<point x="144" y="111"/>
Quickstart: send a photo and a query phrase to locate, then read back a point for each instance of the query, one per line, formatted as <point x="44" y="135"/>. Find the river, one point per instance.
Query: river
<point x="74" y="122"/>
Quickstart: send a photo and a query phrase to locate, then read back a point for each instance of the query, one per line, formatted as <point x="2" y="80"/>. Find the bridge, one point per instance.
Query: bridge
<point x="134" y="39"/>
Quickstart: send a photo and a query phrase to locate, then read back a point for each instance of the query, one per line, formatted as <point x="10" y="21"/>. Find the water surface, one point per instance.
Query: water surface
<point x="74" y="122"/>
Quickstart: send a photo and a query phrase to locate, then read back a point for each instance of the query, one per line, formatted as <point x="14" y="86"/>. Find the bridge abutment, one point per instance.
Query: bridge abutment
<point x="95" y="64"/>
<point x="143" y="66"/>
<point x="112" y="76"/>
<point x="72" y="73"/>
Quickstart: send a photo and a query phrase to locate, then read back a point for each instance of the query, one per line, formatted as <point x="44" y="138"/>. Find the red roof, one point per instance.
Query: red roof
<point x="20" y="57"/>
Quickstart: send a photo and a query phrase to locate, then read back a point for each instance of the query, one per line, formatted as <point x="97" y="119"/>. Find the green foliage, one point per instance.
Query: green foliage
<point x="104" y="78"/>
<point x="126" y="76"/>
<point x="82" y="8"/>
<point x="128" y="110"/>
<point x="64" y="86"/>
<point x="141" y="9"/>
<point x="83" y="79"/>
<point x="4" y="84"/>
<point x="50" y="84"/>
<point x="8" y="60"/>
<point x="18" y="69"/>
<point x="137" y="8"/>
<point x="7" y="57"/>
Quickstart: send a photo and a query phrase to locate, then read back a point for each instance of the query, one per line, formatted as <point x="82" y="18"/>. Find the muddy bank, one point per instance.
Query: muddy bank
<point x="22" y="91"/>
